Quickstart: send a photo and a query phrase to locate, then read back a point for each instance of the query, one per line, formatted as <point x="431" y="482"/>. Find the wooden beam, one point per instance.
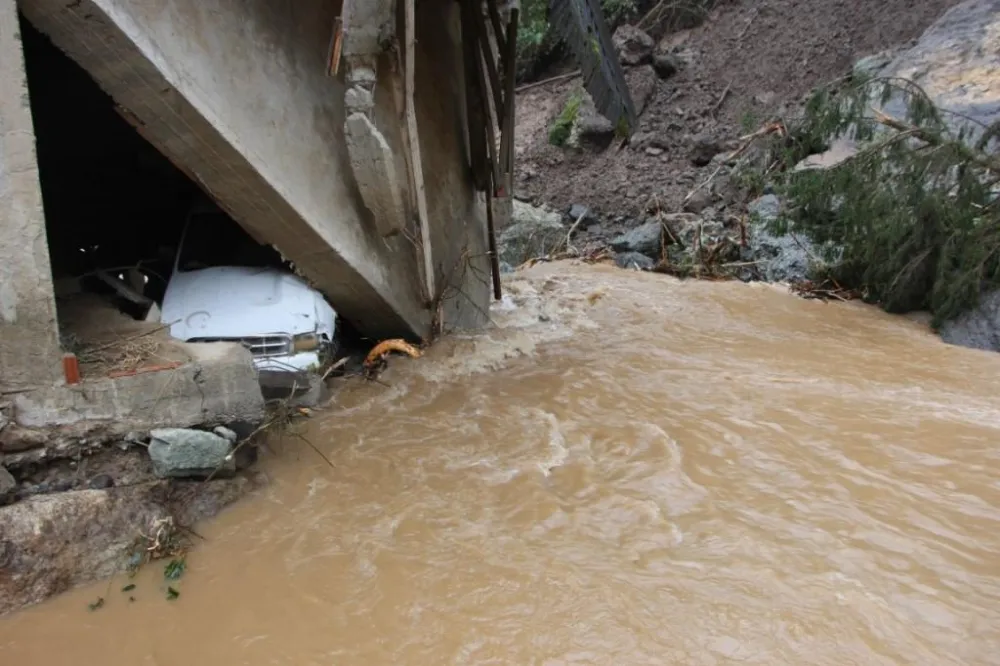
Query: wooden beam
<point x="498" y="34"/>
<point x="507" y="126"/>
<point x="491" y="67"/>
<point x="414" y="137"/>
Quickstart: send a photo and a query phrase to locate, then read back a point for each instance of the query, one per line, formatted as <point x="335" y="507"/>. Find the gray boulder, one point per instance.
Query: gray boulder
<point x="534" y="232"/>
<point x="781" y="258"/>
<point x="633" y="45"/>
<point x="590" y="129"/>
<point x="875" y="64"/>
<point x="979" y="328"/>
<point x="641" y="86"/>
<point x="644" y="239"/>
<point x="181" y="452"/>
<point x="955" y="62"/>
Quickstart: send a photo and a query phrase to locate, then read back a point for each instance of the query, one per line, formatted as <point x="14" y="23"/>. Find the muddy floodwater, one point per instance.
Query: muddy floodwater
<point x="628" y="470"/>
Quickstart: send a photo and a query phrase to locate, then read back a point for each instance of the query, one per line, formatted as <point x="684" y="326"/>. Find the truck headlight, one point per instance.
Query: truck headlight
<point x="305" y="342"/>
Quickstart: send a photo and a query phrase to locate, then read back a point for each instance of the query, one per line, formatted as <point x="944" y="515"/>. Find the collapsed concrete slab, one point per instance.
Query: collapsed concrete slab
<point x="218" y="386"/>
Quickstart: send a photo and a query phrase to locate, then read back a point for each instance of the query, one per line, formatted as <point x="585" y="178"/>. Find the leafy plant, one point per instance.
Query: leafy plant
<point x="174" y="569"/>
<point x="563" y="124"/>
<point x="914" y="213"/>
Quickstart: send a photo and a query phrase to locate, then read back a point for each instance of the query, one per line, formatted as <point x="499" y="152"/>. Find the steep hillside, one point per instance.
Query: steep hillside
<point x="748" y="61"/>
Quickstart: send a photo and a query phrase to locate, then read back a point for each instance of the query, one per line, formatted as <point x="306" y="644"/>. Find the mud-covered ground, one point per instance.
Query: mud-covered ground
<point x="765" y="55"/>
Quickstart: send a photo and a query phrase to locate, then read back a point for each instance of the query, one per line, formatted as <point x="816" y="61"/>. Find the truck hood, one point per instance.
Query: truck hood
<point x="234" y="302"/>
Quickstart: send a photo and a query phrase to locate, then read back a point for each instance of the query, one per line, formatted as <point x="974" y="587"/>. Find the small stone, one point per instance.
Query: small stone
<point x="633" y="45"/>
<point x="180" y="452"/>
<point x="699" y="201"/>
<point x="358" y="99"/>
<point x="101" y="481"/>
<point x="723" y="189"/>
<point x="666" y="65"/>
<point x="581" y="212"/>
<point x="226" y="434"/>
<point x="644" y="239"/>
<point x="704" y="148"/>
<point x="634" y="261"/>
<point x="654" y="151"/>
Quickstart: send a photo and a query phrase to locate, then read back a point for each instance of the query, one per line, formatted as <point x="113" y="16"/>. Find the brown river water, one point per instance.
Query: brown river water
<point x="628" y="470"/>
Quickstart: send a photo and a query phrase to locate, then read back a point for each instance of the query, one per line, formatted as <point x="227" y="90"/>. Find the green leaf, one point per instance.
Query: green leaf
<point x="96" y="604"/>
<point x="129" y="587"/>
<point x="174" y="569"/>
<point x="172" y="594"/>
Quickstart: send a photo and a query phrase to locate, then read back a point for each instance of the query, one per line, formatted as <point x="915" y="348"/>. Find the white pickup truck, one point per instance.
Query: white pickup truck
<point x="222" y="289"/>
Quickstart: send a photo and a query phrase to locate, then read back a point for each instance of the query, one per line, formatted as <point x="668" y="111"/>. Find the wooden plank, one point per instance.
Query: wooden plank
<point x="474" y="109"/>
<point x="336" y="45"/>
<point x="491" y="66"/>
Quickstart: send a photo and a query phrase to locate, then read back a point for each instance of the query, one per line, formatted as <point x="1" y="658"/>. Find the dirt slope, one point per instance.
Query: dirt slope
<point x="767" y="53"/>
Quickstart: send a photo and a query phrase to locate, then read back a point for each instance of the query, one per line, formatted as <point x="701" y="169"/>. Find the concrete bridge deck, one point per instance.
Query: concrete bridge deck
<point x="237" y="94"/>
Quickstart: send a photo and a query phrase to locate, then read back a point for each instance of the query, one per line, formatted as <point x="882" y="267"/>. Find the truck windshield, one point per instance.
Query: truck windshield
<point x="213" y="239"/>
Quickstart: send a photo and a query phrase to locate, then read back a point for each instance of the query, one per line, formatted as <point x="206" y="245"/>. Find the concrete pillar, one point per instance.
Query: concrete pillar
<point x="29" y="335"/>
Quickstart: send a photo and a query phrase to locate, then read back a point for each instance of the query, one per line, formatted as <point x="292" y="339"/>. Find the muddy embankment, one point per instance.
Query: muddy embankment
<point x="700" y="189"/>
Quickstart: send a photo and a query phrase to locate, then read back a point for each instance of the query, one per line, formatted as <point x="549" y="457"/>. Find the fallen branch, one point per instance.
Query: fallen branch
<point x="703" y="184"/>
<point x="753" y="17"/>
<point x="569" y="234"/>
<point x="824" y="291"/>
<point x="748" y="140"/>
<point x="936" y="139"/>
<point x="339" y="364"/>
<point x="722" y="99"/>
<point x="554" y="79"/>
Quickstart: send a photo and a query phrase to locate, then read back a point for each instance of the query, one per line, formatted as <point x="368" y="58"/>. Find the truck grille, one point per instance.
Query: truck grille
<point x="260" y="346"/>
